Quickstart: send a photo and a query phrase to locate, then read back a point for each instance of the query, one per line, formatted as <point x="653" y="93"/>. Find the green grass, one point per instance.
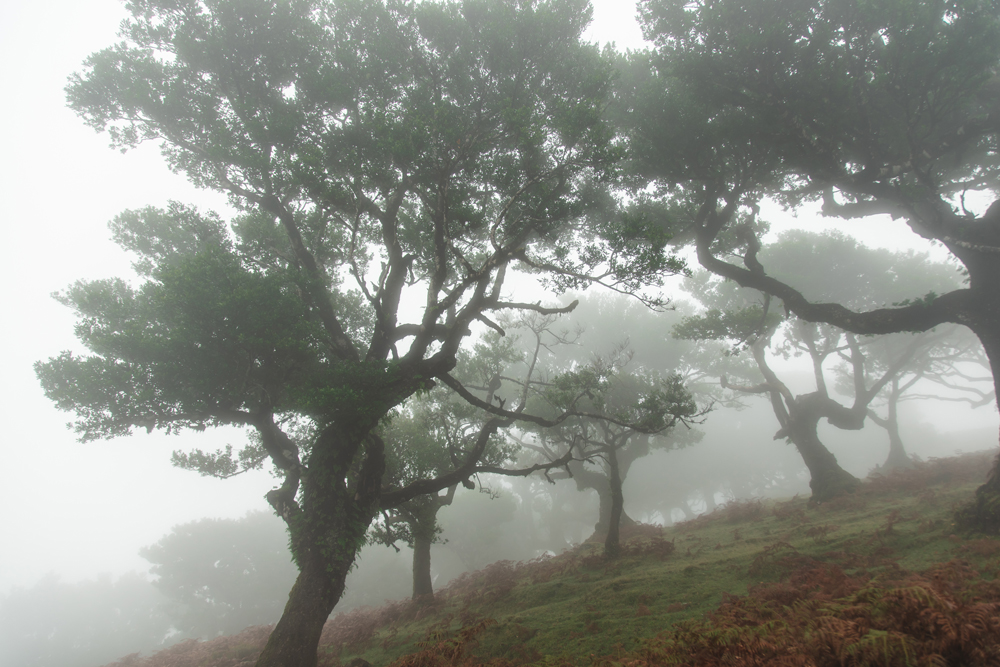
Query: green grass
<point x="577" y="604"/>
<point x="706" y="593"/>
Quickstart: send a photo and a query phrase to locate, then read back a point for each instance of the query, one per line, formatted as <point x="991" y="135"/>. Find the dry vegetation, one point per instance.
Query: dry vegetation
<point x="876" y="578"/>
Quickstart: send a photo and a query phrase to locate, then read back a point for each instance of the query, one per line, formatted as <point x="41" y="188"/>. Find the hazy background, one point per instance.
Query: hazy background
<point x="81" y="510"/>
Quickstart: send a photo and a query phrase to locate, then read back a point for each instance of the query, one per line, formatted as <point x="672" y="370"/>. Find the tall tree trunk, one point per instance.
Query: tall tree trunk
<point x="983" y="513"/>
<point x="606" y="498"/>
<point x="295" y="639"/>
<point x="423" y="588"/>
<point x="897" y="459"/>
<point x="827" y="479"/>
<point x="612" y="544"/>
<point x="327" y="528"/>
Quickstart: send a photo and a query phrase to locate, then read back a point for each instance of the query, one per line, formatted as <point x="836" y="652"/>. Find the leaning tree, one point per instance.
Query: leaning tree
<point x="867" y="108"/>
<point x="389" y="161"/>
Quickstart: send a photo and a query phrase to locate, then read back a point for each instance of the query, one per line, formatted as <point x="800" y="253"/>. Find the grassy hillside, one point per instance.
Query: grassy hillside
<point x="877" y="578"/>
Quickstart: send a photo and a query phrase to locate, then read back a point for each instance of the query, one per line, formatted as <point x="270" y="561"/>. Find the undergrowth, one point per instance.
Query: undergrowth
<point x="879" y="577"/>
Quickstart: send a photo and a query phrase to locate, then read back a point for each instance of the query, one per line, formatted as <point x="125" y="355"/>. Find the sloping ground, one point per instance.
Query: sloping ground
<point x="876" y="578"/>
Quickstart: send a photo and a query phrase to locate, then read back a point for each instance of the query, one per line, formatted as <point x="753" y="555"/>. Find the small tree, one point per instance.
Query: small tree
<point x="431" y="438"/>
<point x="643" y="403"/>
<point x="941" y="357"/>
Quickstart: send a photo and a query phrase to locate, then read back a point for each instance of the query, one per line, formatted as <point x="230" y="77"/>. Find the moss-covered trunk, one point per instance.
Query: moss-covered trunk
<point x="339" y="498"/>
<point x="983" y="513"/>
<point x="612" y="543"/>
<point x="295" y="639"/>
<point x="423" y="588"/>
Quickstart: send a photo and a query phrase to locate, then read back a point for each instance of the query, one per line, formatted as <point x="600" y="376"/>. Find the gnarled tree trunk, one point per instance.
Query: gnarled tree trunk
<point x="983" y="512"/>
<point x="423" y="588"/>
<point x="327" y="528"/>
<point x="827" y="479"/>
<point x="294" y="640"/>
<point x="612" y="544"/>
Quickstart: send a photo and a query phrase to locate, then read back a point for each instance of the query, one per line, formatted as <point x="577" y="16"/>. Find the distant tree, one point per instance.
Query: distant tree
<point x="745" y="317"/>
<point x="640" y="351"/>
<point x="871" y="109"/>
<point x="647" y="405"/>
<point x="656" y="403"/>
<point x="943" y="367"/>
<point x="431" y="438"/>
<point x="60" y="624"/>
<point x="223" y="575"/>
<point x="391" y="163"/>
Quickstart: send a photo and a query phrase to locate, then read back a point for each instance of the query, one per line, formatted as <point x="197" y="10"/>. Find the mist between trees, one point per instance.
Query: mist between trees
<point x="216" y="577"/>
<point x="394" y="166"/>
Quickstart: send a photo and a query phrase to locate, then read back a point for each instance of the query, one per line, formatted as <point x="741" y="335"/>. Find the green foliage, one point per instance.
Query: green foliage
<point x="834" y="267"/>
<point x="639" y="399"/>
<point x="204" y="337"/>
<point x="823" y="88"/>
<point x="739" y="326"/>
<point x="441" y="141"/>
<point x="221" y="462"/>
<point x="435" y="91"/>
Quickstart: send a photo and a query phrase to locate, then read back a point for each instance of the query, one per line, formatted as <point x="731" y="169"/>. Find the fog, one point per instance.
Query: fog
<point x="76" y="515"/>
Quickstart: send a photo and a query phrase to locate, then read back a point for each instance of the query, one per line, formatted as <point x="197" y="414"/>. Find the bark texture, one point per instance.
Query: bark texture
<point x="294" y="640"/>
<point x="327" y="527"/>
<point x="423" y="588"/>
<point x="982" y="514"/>
<point x="827" y="479"/>
<point x="612" y="544"/>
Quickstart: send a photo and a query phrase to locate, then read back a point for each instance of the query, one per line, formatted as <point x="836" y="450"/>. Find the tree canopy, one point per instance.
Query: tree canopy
<point x="389" y="162"/>
<point x="393" y="163"/>
<point x="867" y="109"/>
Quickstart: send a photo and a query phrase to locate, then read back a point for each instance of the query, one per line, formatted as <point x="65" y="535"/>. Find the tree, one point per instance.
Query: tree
<point x="655" y="403"/>
<point x="223" y="575"/>
<point x="867" y="108"/>
<point x="383" y="155"/>
<point x="745" y="317"/>
<point x="646" y="404"/>
<point x="798" y="416"/>
<point x="942" y="357"/>
<point x="430" y="439"/>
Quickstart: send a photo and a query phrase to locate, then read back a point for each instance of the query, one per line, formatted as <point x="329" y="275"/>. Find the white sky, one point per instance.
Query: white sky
<point x="68" y="508"/>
